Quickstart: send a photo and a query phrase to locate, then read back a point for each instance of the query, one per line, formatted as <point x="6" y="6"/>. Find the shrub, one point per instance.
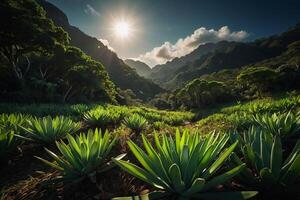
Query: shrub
<point x="83" y="154"/>
<point x="48" y="129"/>
<point x="186" y="167"/>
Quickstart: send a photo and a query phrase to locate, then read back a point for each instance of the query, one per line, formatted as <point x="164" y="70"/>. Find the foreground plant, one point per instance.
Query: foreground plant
<point x="135" y="122"/>
<point x="186" y="167"/>
<point x="8" y="143"/>
<point x="267" y="169"/>
<point x="83" y="154"/>
<point x="48" y="129"/>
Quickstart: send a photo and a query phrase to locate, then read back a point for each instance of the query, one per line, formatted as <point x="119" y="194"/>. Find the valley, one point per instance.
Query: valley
<point x="214" y="115"/>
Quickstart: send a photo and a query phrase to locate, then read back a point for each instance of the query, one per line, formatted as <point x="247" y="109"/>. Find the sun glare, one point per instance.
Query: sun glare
<point x="122" y="29"/>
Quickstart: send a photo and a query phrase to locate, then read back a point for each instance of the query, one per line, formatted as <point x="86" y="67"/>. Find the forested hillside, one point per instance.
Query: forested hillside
<point x="38" y="64"/>
<point x="238" y="72"/>
<point x="120" y="73"/>
<point x="141" y="68"/>
<point x="226" y="55"/>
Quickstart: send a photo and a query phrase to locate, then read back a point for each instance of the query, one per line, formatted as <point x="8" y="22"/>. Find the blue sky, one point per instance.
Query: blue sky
<point x="157" y="25"/>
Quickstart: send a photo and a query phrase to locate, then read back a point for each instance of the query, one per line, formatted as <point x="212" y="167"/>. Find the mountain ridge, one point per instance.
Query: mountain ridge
<point x="141" y="68"/>
<point x="163" y="72"/>
<point x="121" y="74"/>
<point x="229" y="55"/>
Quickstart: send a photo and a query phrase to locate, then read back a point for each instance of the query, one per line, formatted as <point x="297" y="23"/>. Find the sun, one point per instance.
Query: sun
<point x="122" y="29"/>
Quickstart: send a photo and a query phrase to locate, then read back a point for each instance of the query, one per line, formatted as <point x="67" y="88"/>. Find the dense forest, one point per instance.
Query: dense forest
<point x="78" y="122"/>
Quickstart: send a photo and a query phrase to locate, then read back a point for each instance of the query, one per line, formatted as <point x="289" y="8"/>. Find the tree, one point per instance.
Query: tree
<point x="53" y="70"/>
<point x="26" y="29"/>
<point x="87" y="78"/>
<point x="259" y="78"/>
<point x="200" y="93"/>
<point x="76" y="76"/>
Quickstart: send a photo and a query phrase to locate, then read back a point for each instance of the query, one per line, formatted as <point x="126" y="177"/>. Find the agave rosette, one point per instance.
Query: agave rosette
<point x="186" y="167"/>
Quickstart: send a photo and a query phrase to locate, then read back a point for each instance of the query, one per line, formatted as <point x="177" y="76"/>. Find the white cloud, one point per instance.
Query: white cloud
<point x="91" y="11"/>
<point x="183" y="46"/>
<point x="106" y="43"/>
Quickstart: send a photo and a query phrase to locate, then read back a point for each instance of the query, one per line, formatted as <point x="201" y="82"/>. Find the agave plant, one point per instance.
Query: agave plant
<point x="48" y="129"/>
<point x="173" y="120"/>
<point x="100" y="118"/>
<point x="79" y="109"/>
<point x="8" y="142"/>
<point x="266" y="167"/>
<point x="186" y="168"/>
<point x="12" y="122"/>
<point x="135" y="122"/>
<point x="83" y="154"/>
<point x="240" y="120"/>
<point x="287" y="103"/>
<point x="285" y="124"/>
<point x="159" y="125"/>
<point x="151" y="116"/>
<point x="257" y="107"/>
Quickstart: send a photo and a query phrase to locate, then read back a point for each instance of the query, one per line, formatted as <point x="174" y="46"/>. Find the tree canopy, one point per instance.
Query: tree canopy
<point x="39" y="64"/>
<point x="261" y="78"/>
<point x="200" y="93"/>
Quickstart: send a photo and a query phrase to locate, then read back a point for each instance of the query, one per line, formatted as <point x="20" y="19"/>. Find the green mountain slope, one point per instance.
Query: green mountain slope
<point x="121" y="74"/>
<point x="231" y="55"/>
<point x="165" y="72"/>
<point x="141" y="68"/>
<point x="270" y="76"/>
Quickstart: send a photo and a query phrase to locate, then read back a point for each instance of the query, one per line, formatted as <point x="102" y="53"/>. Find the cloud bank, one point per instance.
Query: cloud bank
<point x="91" y="11"/>
<point x="184" y="46"/>
<point x="106" y="43"/>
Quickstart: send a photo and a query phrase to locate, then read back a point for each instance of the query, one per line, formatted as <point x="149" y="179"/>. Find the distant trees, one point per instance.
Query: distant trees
<point x="163" y="101"/>
<point x="200" y="93"/>
<point x="259" y="78"/>
<point x="228" y="85"/>
<point x="270" y="76"/>
<point x="288" y="77"/>
<point x="38" y="64"/>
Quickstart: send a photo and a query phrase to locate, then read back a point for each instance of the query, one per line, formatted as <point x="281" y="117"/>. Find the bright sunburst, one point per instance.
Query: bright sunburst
<point x="122" y="29"/>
